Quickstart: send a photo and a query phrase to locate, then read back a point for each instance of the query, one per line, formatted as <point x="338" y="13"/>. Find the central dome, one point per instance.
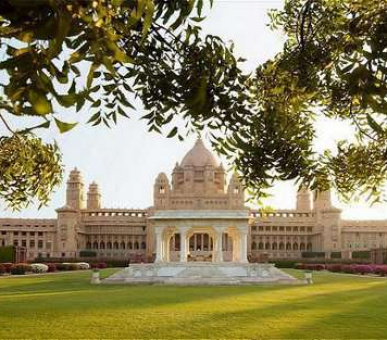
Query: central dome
<point x="199" y="155"/>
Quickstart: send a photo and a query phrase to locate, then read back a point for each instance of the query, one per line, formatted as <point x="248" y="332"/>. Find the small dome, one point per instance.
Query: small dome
<point x="199" y="155"/>
<point x="75" y="176"/>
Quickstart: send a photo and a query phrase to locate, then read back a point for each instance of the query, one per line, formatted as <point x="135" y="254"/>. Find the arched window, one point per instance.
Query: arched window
<point x="302" y="246"/>
<point x="274" y="246"/>
<point x="281" y="246"/>
<point x="136" y="245"/>
<point x="95" y="245"/>
<point x="254" y="246"/>
<point x="260" y="245"/>
<point x="130" y="245"/>
<point x="102" y="245"/>
<point x="88" y="245"/>
<point x="295" y="246"/>
<point x="309" y="246"/>
<point x="109" y="245"/>
<point x="143" y="245"/>
<point x="267" y="246"/>
<point x="115" y="245"/>
<point x="122" y="245"/>
<point x="288" y="246"/>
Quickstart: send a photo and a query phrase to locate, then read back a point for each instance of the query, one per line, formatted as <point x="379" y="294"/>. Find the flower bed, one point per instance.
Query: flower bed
<point x="359" y="269"/>
<point x="38" y="268"/>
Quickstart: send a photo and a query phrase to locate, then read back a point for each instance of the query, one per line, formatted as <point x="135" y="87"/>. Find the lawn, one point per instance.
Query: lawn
<point x="67" y="306"/>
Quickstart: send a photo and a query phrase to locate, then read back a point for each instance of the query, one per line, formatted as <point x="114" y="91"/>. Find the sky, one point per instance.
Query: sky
<point x="126" y="159"/>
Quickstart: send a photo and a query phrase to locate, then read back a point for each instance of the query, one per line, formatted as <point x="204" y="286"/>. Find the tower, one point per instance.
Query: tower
<point x="304" y="201"/>
<point x="93" y="197"/>
<point x="75" y="195"/>
<point x="235" y="192"/>
<point x="327" y="223"/>
<point x="161" y="192"/>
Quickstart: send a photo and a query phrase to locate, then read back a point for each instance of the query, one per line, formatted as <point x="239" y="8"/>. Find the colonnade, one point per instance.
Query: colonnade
<point x="237" y="234"/>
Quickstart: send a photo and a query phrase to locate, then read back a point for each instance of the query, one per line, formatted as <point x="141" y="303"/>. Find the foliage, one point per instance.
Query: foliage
<point x="361" y="255"/>
<point x="336" y="255"/>
<point x="20" y="269"/>
<point x="285" y="263"/>
<point x="87" y="253"/>
<point x="29" y="168"/>
<point x="312" y="254"/>
<point x="7" y="254"/>
<point x="147" y="49"/>
<point x="39" y="268"/>
<point x="333" y="65"/>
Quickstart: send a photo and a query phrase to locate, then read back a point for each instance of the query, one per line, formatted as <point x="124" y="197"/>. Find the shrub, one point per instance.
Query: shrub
<point x="51" y="267"/>
<point x="285" y="264"/>
<point x="7" y="253"/>
<point x="102" y="265"/>
<point x="336" y="268"/>
<point x="83" y="265"/>
<point x="71" y="266"/>
<point x="39" y="268"/>
<point x="381" y="270"/>
<point x="299" y="266"/>
<point x="2" y="269"/>
<point x="87" y="253"/>
<point x="7" y="267"/>
<point x="365" y="255"/>
<point x="348" y="268"/>
<point x="314" y="266"/>
<point x="20" y="269"/>
<point x="61" y="266"/>
<point x="336" y="255"/>
<point x="363" y="269"/>
<point x="312" y="254"/>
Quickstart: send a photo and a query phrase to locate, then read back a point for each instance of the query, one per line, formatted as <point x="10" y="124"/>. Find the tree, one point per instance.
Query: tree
<point x="151" y="49"/>
<point x="333" y="64"/>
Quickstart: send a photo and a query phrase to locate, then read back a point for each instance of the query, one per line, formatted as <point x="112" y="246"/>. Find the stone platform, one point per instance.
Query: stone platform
<point x="201" y="273"/>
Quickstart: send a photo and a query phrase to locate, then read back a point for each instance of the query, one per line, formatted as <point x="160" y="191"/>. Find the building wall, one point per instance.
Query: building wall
<point x="198" y="183"/>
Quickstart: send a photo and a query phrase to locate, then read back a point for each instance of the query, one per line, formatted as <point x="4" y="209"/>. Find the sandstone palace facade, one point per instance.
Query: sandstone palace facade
<point x="198" y="183"/>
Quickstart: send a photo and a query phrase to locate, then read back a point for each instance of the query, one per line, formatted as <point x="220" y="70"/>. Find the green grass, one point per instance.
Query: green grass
<point x="66" y="306"/>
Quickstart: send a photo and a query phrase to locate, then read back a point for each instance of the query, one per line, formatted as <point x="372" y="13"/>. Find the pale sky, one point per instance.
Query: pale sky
<point x="126" y="159"/>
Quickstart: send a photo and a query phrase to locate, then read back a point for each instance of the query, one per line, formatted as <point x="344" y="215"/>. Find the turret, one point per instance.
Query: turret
<point x="75" y="196"/>
<point x="327" y="223"/>
<point x="322" y="200"/>
<point x="304" y="201"/>
<point x="161" y="191"/>
<point x="235" y="192"/>
<point x="93" y="197"/>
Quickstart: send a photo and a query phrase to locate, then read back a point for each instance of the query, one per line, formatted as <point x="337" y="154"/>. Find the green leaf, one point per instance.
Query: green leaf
<point x="41" y="105"/>
<point x="63" y="126"/>
<point x="172" y="133"/>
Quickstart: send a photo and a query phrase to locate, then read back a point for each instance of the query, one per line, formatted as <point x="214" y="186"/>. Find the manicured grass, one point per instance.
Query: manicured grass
<point x="66" y="306"/>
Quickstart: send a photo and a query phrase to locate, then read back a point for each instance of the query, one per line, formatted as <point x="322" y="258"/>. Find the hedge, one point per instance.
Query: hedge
<point x="87" y="253"/>
<point x="6" y="254"/>
<point x="313" y="254"/>
<point x="361" y="255"/>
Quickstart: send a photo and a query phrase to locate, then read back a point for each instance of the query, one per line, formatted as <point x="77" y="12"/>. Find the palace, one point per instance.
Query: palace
<point x="198" y="192"/>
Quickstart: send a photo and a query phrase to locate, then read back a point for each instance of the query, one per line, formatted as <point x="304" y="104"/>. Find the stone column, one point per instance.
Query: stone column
<point x="218" y="244"/>
<point x="159" y="244"/>
<point x="235" y="247"/>
<point x="243" y="231"/>
<point x="183" y="243"/>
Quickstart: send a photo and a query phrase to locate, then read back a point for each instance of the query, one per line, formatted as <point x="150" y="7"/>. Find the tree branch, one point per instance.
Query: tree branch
<point x="6" y="124"/>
